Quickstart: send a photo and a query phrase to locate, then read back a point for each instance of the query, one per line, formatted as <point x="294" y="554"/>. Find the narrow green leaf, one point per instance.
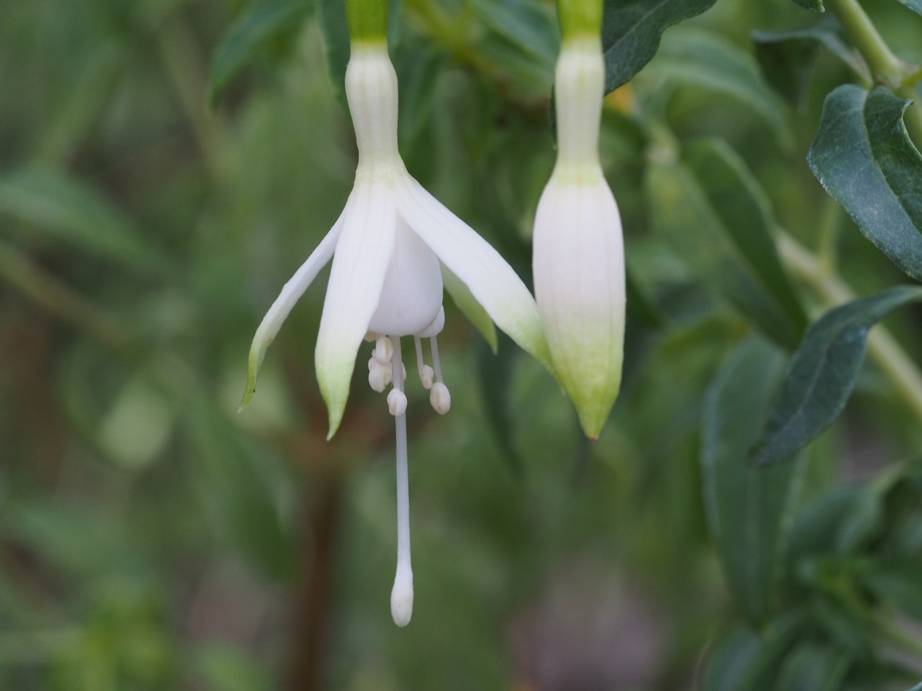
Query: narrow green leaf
<point x="864" y="158"/>
<point x="495" y="369"/>
<point x="748" y="661"/>
<point x="632" y="29"/>
<point x="60" y="207"/>
<point x="814" y="668"/>
<point x="720" y="226"/>
<point x="787" y="57"/>
<point x="823" y="371"/>
<point x="897" y="583"/>
<point x="261" y="24"/>
<point x="335" y="42"/>
<point x="814" y="5"/>
<point x="704" y="60"/>
<point x="727" y="665"/>
<point x="748" y="508"/>
<point x="525" y="24"/>
<point x="746" y="215"/>
<point x="469" y="307"/>
<point x="418" y="69"/>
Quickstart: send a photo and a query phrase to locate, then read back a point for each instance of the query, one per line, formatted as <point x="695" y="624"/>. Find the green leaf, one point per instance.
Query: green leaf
<point x="814" y="5"/>
<point x="748" y="661"/>
<point x="748" y="508"/>
<point x="469" y="307"/>
<point x="704" y="60"/>
<point x="495" y="370"/>
<point x="864" y="158"/>
<point x="262" y="24"/>
<point x="632" y="29"/>
<point x="786" y="58"/>
<point x="727" y="665"/>
<point x="720" y="225"/>
<point x="823" y="371"/>
<point x="746" y="215"/>
<point x="814" y="668"/>
<point x="335" y="42"/>
<point x="418" y="69"/>
<point x="62" y="207"/>
<point x="897" y="583"/>
<point x="525" y="24"/>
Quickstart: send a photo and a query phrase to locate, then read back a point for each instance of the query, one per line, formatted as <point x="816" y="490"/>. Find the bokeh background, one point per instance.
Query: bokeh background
<point x="153" y="538"/>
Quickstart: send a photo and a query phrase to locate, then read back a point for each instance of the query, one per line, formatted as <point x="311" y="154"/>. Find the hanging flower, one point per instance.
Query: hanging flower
<point x="578" y="256"/>
<point x="389" y="249"/>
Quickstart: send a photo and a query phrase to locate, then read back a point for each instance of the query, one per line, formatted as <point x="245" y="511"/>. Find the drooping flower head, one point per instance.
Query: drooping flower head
<point x="393" y="249"/>
<point x="578" y="255"/>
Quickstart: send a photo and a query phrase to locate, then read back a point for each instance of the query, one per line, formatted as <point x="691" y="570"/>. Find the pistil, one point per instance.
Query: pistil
<point x="402" y="592"/>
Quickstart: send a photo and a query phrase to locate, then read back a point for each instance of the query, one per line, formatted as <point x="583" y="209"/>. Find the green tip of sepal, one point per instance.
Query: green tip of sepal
<point x="254" y="363"/>
<point x="334" y="376"/>
<point x="593" y="399"/>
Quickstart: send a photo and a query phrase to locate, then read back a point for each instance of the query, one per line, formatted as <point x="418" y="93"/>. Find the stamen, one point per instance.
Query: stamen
<point x="384" y="350"/>
<point x="425" y="371"/>
<point x="379" y="376"/>
<point x="402" y="591"/>
<point x="439" y="396"/>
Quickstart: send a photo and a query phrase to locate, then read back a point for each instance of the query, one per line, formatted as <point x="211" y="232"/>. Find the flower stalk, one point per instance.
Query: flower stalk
<point x="579" y="18"/>
<point x="367" y="20"/>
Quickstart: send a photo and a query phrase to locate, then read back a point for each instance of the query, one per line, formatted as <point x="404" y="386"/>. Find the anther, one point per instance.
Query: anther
<point x="426" y="373"/>
<point x="384" y="351"/>
<point x="378" y="377"/>
<point x="397" y="402"/>
<point x="440" y="398"/>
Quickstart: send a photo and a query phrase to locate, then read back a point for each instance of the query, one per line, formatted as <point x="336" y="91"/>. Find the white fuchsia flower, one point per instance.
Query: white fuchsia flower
<point x="389" y="249"/>
<point x="578" y="254"/>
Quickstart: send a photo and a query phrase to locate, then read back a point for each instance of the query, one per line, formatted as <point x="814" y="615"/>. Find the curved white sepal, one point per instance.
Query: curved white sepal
<point x="363" y="252"/>
<point x="284" y="303"/>
<point x="492" y="282"/>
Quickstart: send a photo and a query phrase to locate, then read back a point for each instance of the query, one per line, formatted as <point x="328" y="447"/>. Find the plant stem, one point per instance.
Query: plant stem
<point x="885" y="66"/>
<point x="19" y="271"/>
<point x="883" y="349"/>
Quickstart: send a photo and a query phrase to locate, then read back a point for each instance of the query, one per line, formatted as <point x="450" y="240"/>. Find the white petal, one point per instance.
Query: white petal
<point x="281" y="308"/>
<point x="411" y="296"/>
<point x="492" y="282"/>
<point x="363" y="252"/>
<point x="578" y="261"/>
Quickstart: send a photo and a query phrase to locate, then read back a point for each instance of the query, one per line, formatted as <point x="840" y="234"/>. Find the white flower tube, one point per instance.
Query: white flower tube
<point x="578" y="255"/>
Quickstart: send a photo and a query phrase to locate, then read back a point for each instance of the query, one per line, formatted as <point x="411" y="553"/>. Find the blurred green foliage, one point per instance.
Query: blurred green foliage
<point x="164" y="167"/>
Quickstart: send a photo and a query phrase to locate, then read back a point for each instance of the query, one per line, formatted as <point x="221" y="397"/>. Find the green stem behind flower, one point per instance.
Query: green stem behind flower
<point x="367" y="20"/>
